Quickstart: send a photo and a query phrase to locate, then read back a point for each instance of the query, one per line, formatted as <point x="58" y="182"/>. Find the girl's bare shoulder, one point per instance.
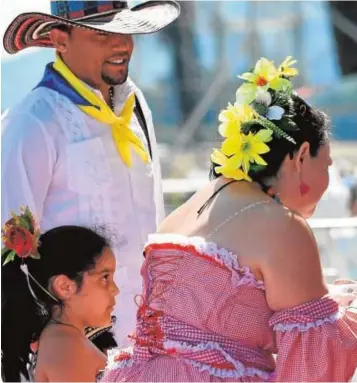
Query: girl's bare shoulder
<point x="67" y="354"/>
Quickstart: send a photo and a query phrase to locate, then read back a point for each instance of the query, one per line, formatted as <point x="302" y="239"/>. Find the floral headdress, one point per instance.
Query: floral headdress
<point x="264" y="99"/>
<point x="20" y="237"/>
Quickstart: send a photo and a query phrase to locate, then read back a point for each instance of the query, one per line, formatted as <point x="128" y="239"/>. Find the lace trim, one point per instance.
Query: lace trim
<point x="74" y="127"/>
<point x="239" y="371"/>
<point x="119" y="358"/>
<point x="286" y="327"/>
<point x="240" y="275"/>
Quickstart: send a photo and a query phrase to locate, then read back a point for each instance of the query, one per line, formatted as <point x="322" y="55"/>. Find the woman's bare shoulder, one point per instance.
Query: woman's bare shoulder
<point x="292" y="263"/>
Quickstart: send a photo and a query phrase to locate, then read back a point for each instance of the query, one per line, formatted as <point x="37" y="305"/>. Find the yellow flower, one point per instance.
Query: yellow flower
<point x="247" y="148"/>
<point x="226" y="167"/>
<point x="264" y="76"/>
<point x="232" y="118"/>
<point x="285" y="70"/>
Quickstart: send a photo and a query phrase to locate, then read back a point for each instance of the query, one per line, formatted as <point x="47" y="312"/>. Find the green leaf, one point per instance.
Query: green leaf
<point x="248" y="76"/>
<point x="24" y="223"/>
<point x="28" y="212"/>
<point x="278" y="131"/>
<point x="260" y="108"/>
<point x="246" y="93"/>
<point x="5" y="251"/>
<point x="257" y="168"/>
<point x="265" y="135"/>
<point x="9" y="258"/>
<point x="281" y="85"/>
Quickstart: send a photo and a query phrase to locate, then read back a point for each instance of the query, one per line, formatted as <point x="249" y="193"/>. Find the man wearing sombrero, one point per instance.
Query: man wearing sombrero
<point x="80" y="148"/>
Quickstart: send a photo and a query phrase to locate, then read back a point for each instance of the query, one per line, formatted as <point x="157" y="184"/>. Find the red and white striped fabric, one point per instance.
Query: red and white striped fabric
<point x="204" y="318"/>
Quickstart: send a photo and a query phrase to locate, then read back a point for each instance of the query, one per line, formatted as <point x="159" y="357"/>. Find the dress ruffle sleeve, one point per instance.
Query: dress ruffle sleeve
<point x="316" y="342"/>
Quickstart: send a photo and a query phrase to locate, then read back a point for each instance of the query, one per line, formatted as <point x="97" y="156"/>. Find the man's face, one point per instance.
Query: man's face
<point x="95" y="57"/>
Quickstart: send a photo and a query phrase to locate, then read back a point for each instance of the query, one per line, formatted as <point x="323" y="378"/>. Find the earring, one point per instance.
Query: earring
<point x="304" y="189"/>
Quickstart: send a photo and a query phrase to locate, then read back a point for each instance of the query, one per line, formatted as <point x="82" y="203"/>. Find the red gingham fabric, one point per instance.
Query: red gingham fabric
<point x="316" y="343"/>
<point x="307" y="312"/>
<point x="189" y="299"/>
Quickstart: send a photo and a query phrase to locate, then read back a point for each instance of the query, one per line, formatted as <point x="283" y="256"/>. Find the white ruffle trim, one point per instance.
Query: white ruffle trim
<point x="283" y="327"/>
<point x="240" y="275"/>
<point x="112" y="364"/>
<point x="239" y="372"/>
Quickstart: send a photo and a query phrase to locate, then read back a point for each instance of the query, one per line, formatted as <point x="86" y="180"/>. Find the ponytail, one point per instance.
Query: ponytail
<point x="30" y="262"/>
<point x="22" y="322"/>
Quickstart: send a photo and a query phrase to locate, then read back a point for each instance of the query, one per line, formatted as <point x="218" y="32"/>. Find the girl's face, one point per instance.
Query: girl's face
<point x="95" y="300"/>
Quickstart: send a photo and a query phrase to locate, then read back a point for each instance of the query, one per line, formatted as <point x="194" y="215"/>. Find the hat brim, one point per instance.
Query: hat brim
<point x="32" y="29"/>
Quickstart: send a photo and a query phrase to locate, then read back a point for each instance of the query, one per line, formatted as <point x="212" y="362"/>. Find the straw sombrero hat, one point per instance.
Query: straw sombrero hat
<point x="32" y="29"/>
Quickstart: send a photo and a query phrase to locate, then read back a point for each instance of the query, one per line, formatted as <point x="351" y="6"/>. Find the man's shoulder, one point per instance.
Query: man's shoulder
<point x="40" y="110"/>
<point x="38" y="103"/>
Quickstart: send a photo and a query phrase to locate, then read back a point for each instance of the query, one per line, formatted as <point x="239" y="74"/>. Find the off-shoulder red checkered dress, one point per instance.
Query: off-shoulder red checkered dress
<point x="204" y="318"/>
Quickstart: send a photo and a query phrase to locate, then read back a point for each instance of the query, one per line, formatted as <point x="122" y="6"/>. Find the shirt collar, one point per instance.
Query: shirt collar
<point x="121" y="94"/>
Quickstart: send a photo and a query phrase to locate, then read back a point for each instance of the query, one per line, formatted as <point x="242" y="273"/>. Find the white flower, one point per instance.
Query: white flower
<point x="263" y="97"/>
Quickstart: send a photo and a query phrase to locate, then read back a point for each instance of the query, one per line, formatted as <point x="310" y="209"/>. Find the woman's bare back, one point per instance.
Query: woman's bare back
<point x="274" y="243"/>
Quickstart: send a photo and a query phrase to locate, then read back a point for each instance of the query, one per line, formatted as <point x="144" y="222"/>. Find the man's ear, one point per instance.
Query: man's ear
<point x="59" y="40"/>
<point x="63" y="287"/>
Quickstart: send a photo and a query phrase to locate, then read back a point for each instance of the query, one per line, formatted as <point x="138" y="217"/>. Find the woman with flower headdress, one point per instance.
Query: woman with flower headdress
<point x="54" y="286"/>
<point x="233" y="276"/>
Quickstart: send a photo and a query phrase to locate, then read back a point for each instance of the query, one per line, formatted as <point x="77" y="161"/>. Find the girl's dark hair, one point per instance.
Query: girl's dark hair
<point x="313" y="127"/>
<point x="66" y="250"/>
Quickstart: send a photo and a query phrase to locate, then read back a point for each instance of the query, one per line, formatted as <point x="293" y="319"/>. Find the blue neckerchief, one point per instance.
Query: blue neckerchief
<point x="53" y="80"/>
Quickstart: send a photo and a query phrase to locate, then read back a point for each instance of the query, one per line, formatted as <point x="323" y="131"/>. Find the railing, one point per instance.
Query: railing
<point x="336" y="237"/>
<point x="187" y="186"/>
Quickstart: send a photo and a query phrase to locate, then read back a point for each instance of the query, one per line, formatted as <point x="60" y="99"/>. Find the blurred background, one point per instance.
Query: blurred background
<point x="188" y="73"/>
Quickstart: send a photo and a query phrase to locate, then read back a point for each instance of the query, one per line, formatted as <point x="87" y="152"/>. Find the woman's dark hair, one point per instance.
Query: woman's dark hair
<point x="313" y="127"/>
<point x="66" y="250"/>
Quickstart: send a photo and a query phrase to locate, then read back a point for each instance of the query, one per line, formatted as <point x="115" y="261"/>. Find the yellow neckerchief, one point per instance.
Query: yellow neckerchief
<point x="123" y="136"/>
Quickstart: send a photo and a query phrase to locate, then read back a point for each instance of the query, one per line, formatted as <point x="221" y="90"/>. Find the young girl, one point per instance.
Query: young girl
<point x="53" y="287"/>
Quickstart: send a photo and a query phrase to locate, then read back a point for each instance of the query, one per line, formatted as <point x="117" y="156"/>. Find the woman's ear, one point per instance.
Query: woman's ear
<point x="59" y="40"/>
<point x="63" y="287"/>
<point x="302" y="155"/>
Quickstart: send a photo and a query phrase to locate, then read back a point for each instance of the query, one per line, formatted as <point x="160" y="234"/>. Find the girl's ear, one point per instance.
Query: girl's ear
<point x="63" y="287"/>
